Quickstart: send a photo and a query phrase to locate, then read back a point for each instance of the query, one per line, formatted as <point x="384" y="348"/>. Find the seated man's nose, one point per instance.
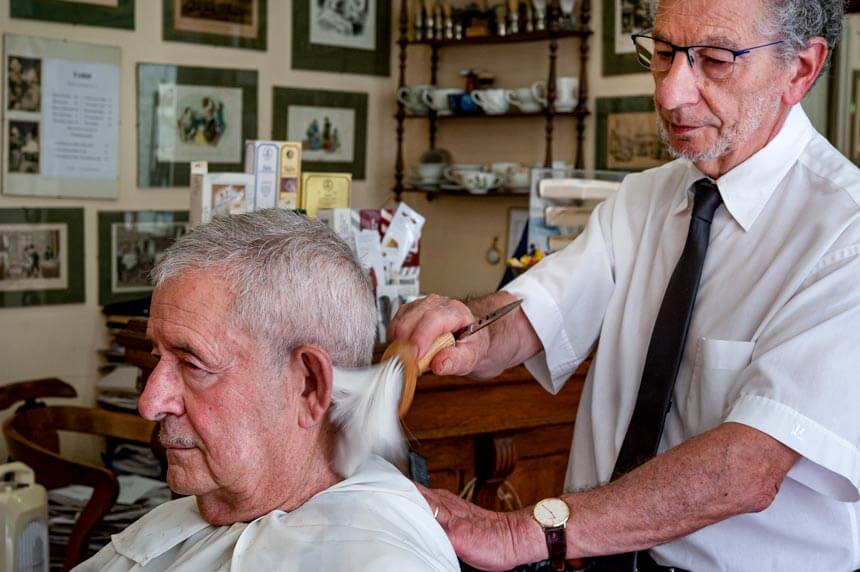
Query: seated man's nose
<point x="160" y="397"/>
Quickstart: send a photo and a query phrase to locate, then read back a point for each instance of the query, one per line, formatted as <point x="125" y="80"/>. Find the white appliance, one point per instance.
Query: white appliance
<point x="23" y="520"/>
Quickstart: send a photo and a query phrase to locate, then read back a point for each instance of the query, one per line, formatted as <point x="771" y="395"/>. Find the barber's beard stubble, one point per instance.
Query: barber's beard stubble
<point x="742" y="131"/>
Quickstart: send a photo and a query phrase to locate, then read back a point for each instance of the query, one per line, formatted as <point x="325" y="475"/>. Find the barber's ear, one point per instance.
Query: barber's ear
<point x="806" y="68"/>
<point x="315" y="398"/>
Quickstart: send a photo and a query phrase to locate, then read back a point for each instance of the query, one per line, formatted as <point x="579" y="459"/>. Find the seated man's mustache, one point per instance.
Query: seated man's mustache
<point x="170" y="437"/>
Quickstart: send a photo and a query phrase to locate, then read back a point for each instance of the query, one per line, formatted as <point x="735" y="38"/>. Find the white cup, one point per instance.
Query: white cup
<point x="455" y="173"/>
<point x="524" y="99"/>
<point x="566" y="90"/>
<point x="501" y="168"/>
<point x="412" y="97"/>
<point x="518" y="178"/>
<point x="428" y="172"/>
<point x="492" y="101"/>
<point x="479" y="182"/>
<point x="437" y="99"/>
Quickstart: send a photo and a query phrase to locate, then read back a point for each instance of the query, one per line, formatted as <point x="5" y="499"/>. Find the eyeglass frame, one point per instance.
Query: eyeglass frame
<point x="686" y="49"/>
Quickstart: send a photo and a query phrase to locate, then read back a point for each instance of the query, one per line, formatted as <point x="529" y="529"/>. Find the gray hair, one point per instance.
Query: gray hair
<point x="796" y="21"/>
<point x="294" y="282"/>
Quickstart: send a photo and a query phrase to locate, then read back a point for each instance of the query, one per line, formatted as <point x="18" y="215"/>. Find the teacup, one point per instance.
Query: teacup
<point x="492" y="101"/>
<point x="462" y="103"/>
<point x="437" y="99"/>
<point x="502" y="167"/>
<point x="566" y="88"/>
<point x="518" y="178"/>
<point x="428" y="172"/>
<point x="524" y="99"/>
<point x="479" y="182"/>
<point x="455" y="173"/>
<point x="412" y="97"/>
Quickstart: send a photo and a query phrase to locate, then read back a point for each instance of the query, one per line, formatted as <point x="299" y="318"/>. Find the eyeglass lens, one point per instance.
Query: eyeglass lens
<point x="713" y="63"/>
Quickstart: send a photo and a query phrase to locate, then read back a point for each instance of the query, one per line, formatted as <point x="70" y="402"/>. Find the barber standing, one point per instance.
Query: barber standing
<point x="718" y="428"/>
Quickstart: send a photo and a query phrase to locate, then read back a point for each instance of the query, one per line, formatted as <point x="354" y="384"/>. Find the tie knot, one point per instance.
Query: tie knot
<point x="707" y="199"/>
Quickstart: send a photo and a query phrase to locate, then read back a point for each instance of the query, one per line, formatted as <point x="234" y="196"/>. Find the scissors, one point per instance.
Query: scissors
<point x="486" y="320"/>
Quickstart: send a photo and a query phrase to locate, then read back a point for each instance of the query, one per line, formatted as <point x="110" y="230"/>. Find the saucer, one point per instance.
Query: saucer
<point x="423" y="185"/>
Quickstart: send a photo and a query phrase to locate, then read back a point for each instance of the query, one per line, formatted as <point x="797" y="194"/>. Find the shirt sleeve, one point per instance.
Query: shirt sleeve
<point x="564" y="298"/>
<point x="802" y="386"/>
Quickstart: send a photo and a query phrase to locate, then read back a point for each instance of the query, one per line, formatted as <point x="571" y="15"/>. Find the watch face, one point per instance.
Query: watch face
<point x="551" y="513"/>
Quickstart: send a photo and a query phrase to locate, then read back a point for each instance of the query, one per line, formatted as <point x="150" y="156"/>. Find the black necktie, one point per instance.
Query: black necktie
<point x="669" y="337"/>
<point x="666" y="349"/>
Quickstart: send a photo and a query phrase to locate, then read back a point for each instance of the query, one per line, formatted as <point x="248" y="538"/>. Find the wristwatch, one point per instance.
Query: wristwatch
<point x="552" y="514"/>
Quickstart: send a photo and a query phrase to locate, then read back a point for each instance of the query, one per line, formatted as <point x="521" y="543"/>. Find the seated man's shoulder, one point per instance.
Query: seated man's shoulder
<point x="375" y="520"/>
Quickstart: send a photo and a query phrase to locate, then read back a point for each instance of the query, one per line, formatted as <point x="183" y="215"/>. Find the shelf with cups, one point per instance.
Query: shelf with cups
<point x="432" y="193"/>
<point x="558" y="97"/>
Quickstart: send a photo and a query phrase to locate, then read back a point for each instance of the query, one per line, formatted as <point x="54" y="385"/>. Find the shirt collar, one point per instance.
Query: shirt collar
<point x="749" y="186"/>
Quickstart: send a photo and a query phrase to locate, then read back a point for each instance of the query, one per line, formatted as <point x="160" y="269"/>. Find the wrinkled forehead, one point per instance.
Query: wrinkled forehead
<point x="732" y="24"/>
<point x="198" y="297"/>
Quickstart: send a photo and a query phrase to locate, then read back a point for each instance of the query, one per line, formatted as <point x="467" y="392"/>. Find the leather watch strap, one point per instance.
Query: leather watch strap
<point x="556" y="546"/>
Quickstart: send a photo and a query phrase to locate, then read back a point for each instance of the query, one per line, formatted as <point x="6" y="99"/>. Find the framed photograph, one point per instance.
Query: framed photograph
<point x="61" y="118"/>
<point x="41" y="256"/>
<point x="231" y="23"/>
<point x="130" y="243"/>
<point x="621" y="18"/>
<point x="106" y="13"/>
<point x="192" y="114"/>
<point x="628" y="134"/>
<point x="331" y="125"/>
<point x="347" y="37"/>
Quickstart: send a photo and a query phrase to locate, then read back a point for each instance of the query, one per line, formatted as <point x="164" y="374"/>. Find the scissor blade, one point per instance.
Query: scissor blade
<point x="485" y="321"/>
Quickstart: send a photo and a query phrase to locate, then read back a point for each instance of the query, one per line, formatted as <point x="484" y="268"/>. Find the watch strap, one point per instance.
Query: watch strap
<point x="556" y="545"/>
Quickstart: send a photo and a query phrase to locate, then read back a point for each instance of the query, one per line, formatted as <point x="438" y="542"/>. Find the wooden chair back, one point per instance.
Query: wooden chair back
<point x="25" y="435"/>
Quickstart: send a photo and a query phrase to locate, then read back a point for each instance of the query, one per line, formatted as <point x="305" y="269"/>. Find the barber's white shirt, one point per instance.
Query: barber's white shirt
<point x="375" y="520"/>
<point x="774" y="341"/>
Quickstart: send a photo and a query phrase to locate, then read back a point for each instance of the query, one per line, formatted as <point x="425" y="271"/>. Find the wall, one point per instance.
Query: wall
<point x="63" y="340"/>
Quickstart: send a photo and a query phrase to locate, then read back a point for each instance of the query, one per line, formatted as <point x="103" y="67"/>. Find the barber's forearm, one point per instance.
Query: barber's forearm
<point x="513" y="340"/>
<point x="728" y="471"/>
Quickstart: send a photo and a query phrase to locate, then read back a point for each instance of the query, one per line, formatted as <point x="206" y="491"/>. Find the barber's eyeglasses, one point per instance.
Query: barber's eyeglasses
<point x="711" y="62"/>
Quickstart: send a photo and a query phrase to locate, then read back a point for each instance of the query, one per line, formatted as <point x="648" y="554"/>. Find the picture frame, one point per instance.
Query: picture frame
<point x="331" y="125"/>
<point x="130" y="243"/>
<point x="189" y="114"/>
<point x="41" y="256"/>
<point x="621" y="18"/>
<point x="329" y="41"/>
<point x="244" y="27"/>
<point x="628" y="137"/>
<point x="103" y="13"/>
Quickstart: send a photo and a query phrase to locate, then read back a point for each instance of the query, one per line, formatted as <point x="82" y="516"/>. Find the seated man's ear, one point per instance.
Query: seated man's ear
<point x="315" y="368"/>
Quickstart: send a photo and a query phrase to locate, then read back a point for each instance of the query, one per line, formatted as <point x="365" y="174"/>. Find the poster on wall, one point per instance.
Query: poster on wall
<point x="331" y="125"/>
<point x="130" y="243"/>
<point x="351" y="37"/>
<point x="41" y="256"/>
<point x="60" y="118"/>
<point x="189" y="114"/>
<point x="628" y="135"/>
<point x="621" y="18"/>
<point x="106" y="13"/>
<point x="233" y="23"/>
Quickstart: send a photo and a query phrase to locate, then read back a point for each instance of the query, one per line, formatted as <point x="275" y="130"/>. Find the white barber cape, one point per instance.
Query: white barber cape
<point x="375" y="520"/>
<point x="774" y="341"/>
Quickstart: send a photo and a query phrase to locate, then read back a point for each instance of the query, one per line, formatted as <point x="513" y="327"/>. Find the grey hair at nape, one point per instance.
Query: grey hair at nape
<point x="294" y="282"/>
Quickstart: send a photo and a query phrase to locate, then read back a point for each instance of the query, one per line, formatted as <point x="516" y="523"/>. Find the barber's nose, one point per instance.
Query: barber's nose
<point x="163" y="393"/>
<point x="679" y="86"/>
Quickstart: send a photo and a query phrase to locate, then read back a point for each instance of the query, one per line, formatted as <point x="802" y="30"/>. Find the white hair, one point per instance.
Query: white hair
<point x="294" y="282"/>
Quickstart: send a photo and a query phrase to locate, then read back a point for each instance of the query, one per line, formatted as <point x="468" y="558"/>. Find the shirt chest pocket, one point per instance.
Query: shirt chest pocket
<point x="714" y="384"/>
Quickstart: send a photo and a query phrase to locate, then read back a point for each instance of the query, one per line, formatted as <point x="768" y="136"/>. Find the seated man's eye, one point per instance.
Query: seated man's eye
<point x="191" y="366"/>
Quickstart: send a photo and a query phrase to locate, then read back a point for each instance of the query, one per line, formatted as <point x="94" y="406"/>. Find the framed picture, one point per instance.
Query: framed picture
<point x="61" y="118"/>
<point x="232" y="23"/>
<point x="41" y="256"/>
<point x="621" y="18"/>
<point x="189" y="114"/>
<point x="331" y="125"/>
<point x="106" y="13"/>
<point x="628" y="134"/>
<point x="350" y="37"/>
<point x="130" y="243"/>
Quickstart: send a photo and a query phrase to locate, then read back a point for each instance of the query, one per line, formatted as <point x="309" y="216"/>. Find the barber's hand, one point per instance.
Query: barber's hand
<point x="424" y="320"/>
<point x="484" y="539"/>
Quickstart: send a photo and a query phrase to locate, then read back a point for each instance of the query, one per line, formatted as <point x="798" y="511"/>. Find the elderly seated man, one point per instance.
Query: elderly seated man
<point x="252" y="318"/>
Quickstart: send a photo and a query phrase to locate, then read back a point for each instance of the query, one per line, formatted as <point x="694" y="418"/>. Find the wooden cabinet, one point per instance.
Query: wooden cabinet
<point x="508" y="433"/>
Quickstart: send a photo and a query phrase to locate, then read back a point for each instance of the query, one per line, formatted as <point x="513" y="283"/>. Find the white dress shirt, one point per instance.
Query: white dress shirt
<point x="375" y="520"/>
<point x="774" y="341"/>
